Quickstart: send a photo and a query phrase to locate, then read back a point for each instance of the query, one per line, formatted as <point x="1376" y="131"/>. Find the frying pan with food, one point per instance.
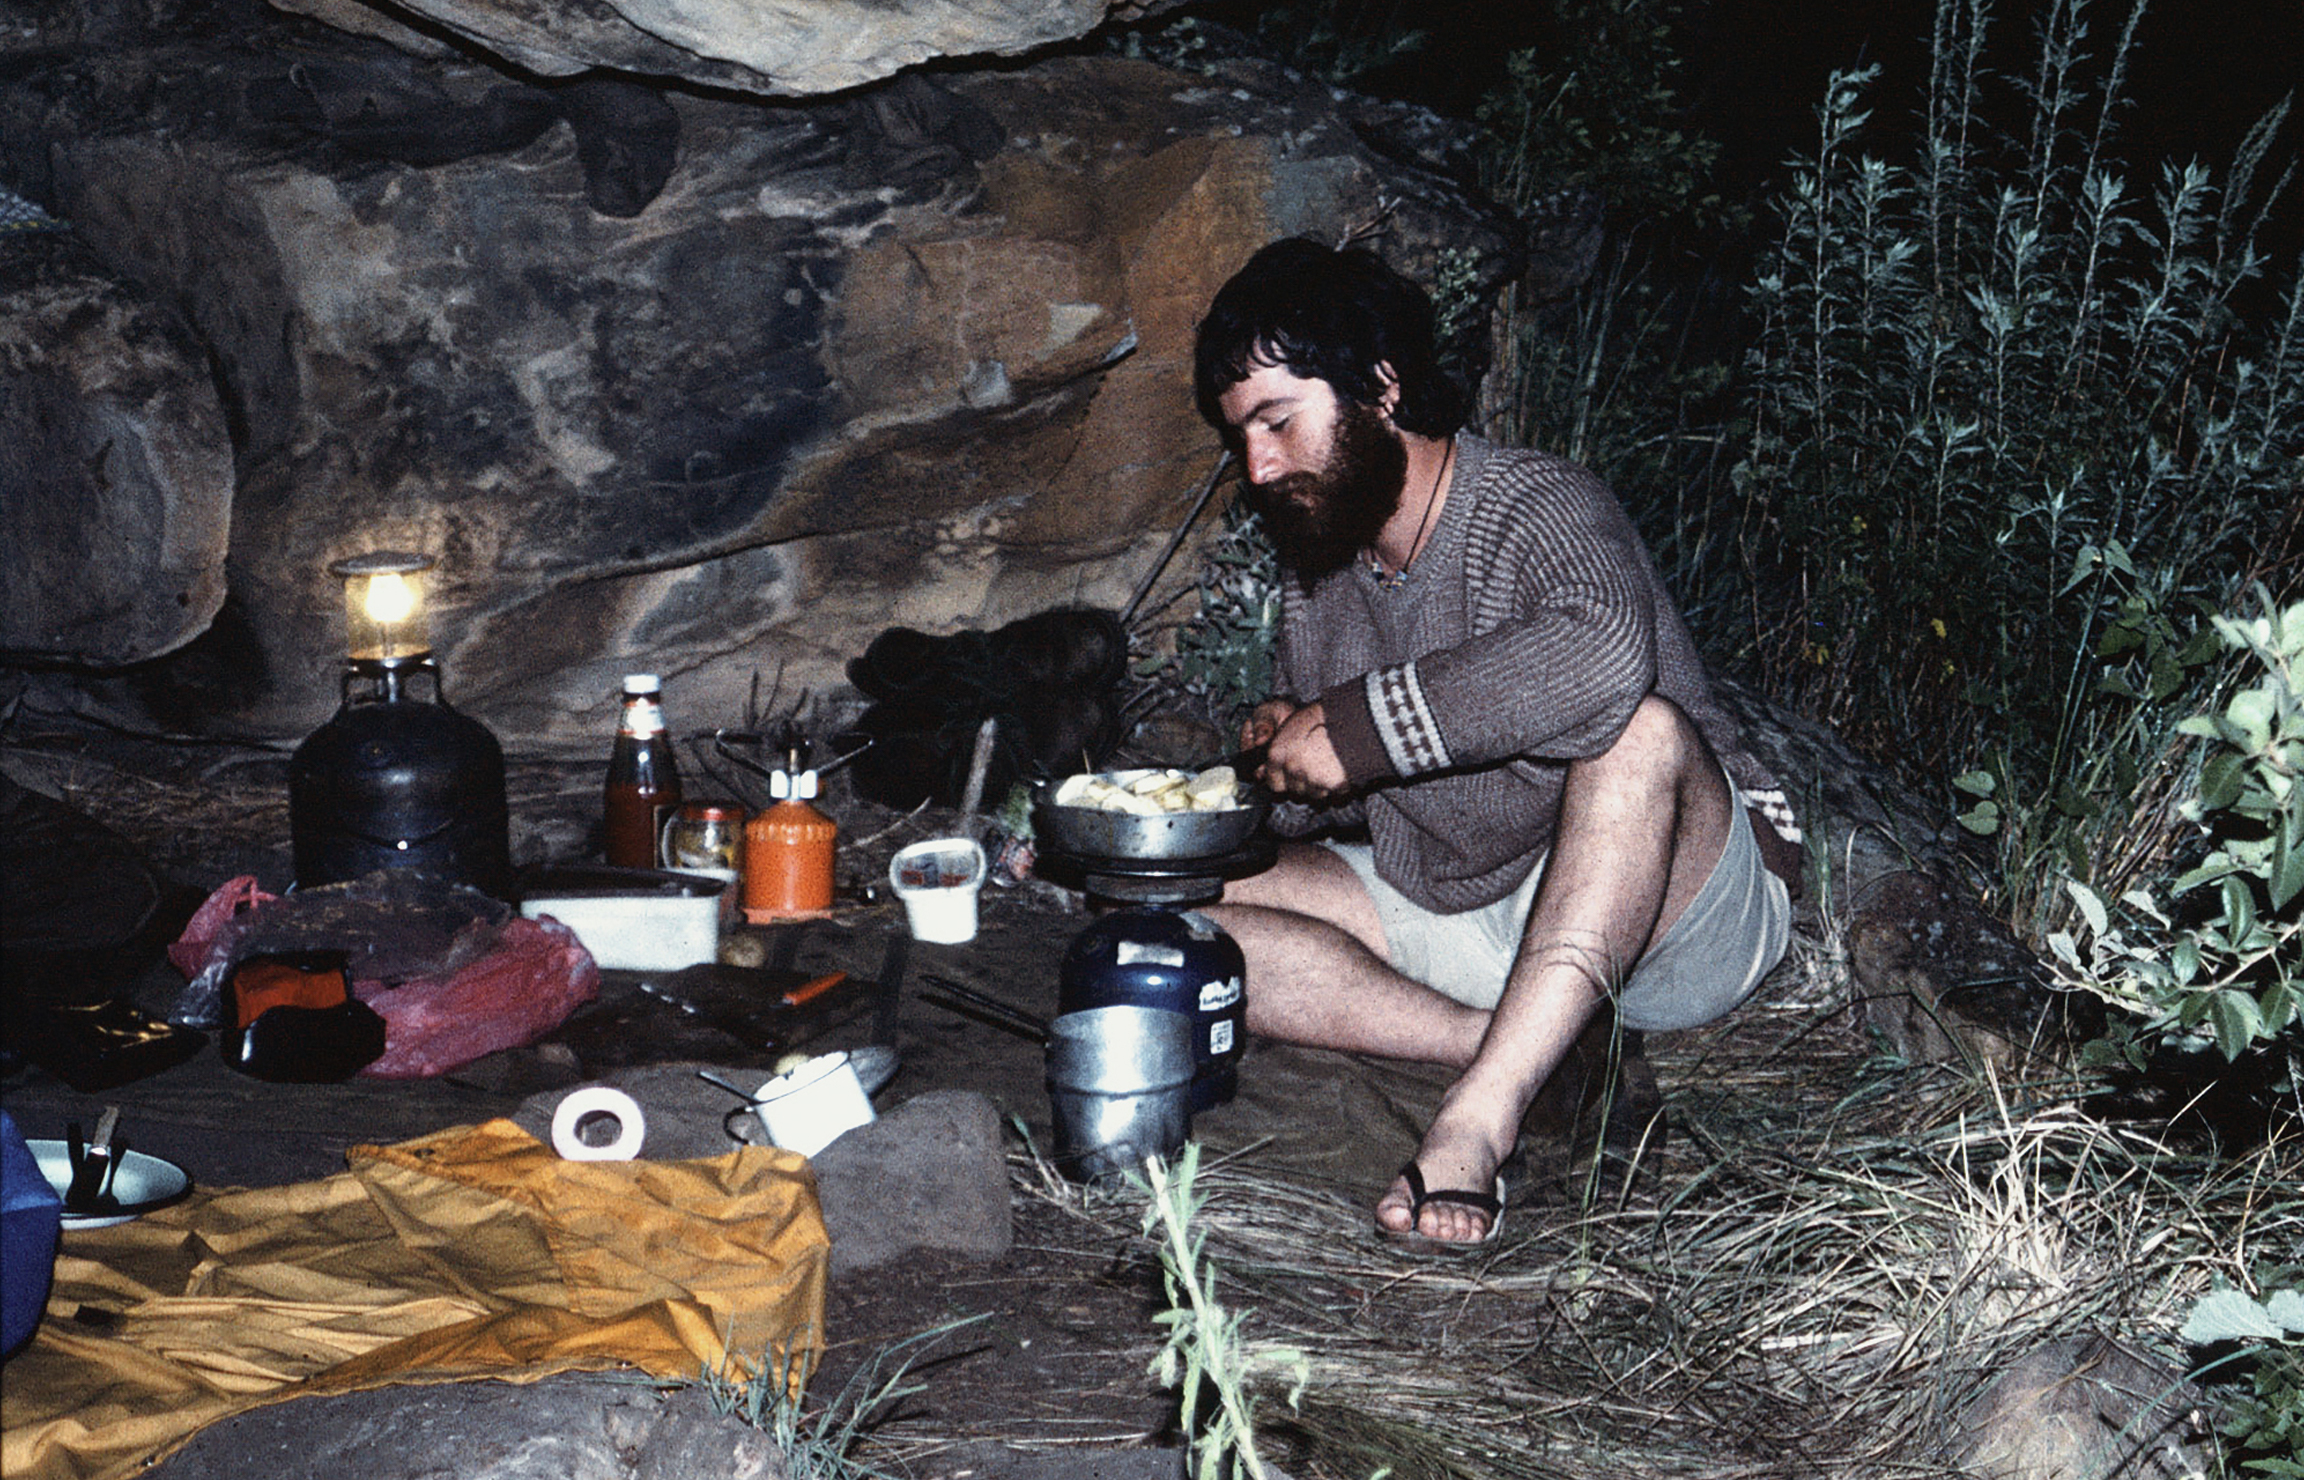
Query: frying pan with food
<point x="1090" y="833"/>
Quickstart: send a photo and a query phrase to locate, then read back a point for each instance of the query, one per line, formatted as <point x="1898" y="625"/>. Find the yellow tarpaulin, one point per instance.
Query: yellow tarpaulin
<point x="476" y="1252"/>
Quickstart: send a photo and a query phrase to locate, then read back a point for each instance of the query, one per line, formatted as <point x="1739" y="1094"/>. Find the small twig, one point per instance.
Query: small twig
<point x="972" y="797"/>
<point x="1374" y="225"/>
<point x="1207" y="491"/>
<point x="910" y="816"/>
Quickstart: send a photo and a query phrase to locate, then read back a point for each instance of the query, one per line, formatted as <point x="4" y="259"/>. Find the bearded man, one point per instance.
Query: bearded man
<point x="1526" y="800"/>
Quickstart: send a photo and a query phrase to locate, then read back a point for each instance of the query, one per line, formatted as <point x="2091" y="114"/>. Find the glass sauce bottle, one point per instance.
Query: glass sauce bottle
<point x="643" y="777"/>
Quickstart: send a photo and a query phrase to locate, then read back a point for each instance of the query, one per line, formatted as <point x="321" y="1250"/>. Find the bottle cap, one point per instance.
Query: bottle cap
<point x="640" y="683"/>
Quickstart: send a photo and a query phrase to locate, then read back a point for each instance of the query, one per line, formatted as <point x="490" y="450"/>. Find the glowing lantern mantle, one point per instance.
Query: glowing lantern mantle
<point x="385" y="620"/>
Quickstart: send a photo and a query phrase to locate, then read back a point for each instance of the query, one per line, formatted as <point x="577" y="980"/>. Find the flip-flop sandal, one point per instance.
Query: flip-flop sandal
<point x="1491" y="1203"/>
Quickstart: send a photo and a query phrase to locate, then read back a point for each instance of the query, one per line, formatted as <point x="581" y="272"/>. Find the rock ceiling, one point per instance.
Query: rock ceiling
<point x="785" y="48"/>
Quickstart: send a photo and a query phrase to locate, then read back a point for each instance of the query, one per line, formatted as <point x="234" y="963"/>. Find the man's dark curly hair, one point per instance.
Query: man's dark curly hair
<point x="1326" y="315"/>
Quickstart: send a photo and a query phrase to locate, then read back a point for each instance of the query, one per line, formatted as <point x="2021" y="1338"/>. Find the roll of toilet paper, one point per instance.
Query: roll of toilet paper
<point x="598" y="1099"/>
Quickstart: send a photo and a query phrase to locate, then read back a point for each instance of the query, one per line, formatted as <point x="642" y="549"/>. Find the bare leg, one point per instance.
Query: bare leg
<point x="1318" y="973"/>
<point x="1640" y="828"/>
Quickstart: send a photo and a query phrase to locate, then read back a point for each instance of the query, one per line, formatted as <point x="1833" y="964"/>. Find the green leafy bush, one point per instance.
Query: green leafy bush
<point x="2228" y="971"/>
<point x="1595" y="109"/>
<point x="2267" y="1427"/>
<point x="1343" y="41"/>
<point x="2120" y="762"/>
<point x="1985" y="368"/>
<point x="1224" y="650"/>
<point x="1630" y="374"/>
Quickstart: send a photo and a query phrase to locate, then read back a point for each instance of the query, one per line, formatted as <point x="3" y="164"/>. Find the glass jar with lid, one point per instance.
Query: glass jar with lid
<point x="705" y="837"/>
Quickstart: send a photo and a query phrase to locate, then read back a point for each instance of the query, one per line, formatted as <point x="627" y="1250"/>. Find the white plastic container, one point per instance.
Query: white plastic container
<point x="938" y="880"/>
<point x="635" y="919"/>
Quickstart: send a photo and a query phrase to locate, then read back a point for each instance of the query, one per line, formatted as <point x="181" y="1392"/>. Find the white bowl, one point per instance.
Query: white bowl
<point x="142" y="1183"/>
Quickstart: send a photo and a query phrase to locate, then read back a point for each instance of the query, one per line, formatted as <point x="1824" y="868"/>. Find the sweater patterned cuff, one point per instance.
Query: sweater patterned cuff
<point x="1403" y="721"/>
<point x="1353" y="733"/>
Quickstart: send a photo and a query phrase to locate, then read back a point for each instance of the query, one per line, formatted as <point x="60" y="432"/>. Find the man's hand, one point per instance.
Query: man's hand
<point x="1264" y="722"/>
<point x="1301" y="762"/>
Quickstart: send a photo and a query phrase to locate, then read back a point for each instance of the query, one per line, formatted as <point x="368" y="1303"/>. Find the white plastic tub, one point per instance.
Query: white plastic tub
<point x="634" y="919"/>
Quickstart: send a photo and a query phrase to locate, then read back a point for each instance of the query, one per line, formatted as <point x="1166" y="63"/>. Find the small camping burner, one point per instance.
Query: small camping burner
<point x="1152" y="948"/>
<point x="393" y="780"/>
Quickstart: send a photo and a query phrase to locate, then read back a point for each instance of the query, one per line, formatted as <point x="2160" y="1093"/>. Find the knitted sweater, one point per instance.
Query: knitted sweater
<point x="1528" y="630"/>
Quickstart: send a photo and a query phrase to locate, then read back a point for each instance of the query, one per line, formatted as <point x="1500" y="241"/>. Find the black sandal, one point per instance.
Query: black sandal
<point x="1490" y="1203"/>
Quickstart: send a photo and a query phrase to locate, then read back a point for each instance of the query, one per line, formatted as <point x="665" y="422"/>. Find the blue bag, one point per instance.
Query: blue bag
<point x="30" y="1214"/>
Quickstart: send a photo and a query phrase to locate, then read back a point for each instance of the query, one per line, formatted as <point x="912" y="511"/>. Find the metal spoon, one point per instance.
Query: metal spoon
<point x="711" y="1078"/>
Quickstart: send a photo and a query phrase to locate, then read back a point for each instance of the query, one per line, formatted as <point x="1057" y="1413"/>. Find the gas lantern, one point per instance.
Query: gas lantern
<point x="393" y="780"/>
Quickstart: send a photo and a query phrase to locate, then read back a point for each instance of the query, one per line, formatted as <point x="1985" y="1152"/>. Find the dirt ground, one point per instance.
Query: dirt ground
<point x="1806" y="1278"/>
<point x="1056" y="1359"/>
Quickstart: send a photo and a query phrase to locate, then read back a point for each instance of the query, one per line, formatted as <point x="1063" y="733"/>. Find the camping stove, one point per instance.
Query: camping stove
<point x="1152" y="948"/>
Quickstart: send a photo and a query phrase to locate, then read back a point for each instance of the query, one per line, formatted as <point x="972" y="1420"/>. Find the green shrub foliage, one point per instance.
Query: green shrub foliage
<point x="2226" y="969"/>
<point x="1631" y="373"/>
<point x="1596" y="109"/>
<point x="2265" y="1427"/>
<point x="2009" y="438"/>
<point x="1225" y="650"/>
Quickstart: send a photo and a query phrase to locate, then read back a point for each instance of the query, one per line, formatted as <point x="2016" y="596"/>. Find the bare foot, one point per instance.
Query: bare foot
<point x="1450" y="1161"/>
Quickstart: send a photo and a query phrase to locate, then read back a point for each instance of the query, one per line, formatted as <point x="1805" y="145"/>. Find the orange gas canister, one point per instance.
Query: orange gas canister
<point x="788" y="854"/>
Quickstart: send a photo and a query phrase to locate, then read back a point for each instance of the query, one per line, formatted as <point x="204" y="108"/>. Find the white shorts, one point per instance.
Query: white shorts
<point x="1730" y="936"/>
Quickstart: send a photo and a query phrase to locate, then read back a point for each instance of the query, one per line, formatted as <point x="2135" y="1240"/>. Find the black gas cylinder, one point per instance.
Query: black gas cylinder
<point x="395" y="782"/>
<point x="1177" y="959"/>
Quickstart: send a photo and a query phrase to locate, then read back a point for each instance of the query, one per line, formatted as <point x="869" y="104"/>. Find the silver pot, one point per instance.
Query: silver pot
<point x="1119" y="1087"/>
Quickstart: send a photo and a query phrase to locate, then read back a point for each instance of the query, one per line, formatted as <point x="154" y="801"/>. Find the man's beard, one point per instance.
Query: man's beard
<point x="1319" y="521"/>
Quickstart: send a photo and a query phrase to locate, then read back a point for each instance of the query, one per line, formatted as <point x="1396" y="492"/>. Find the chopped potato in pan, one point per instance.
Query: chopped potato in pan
<point x="1150" y="793"/>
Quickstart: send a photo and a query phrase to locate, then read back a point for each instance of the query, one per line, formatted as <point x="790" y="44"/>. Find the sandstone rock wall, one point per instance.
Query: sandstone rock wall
<point x="115" y="467"/>
<point x="822" y="46"/>
<point x="915" y="355"/>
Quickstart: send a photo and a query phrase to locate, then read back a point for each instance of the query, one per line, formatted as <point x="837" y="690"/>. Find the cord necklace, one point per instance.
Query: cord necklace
<point x="1393" y="580"/>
